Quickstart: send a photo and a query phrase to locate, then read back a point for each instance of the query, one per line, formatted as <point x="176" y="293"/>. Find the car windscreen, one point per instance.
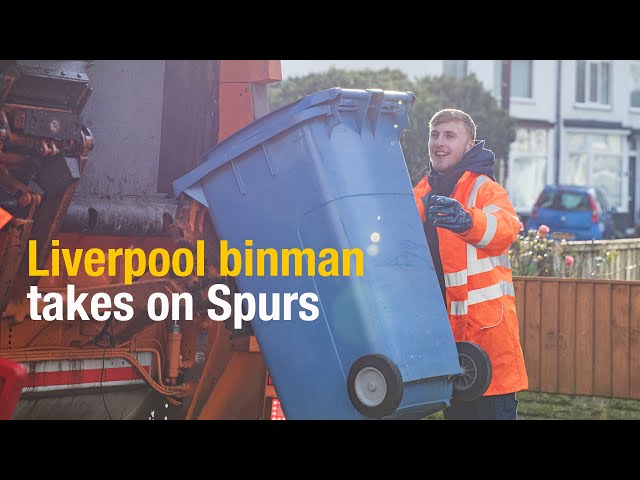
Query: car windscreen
<point x="565" y="200"/>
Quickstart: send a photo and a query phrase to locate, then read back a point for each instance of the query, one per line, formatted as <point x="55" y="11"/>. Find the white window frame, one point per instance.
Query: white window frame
<point x="598" y="104"/>
<point x="526" y="209"/>
<point x="624" y="160"/>
<point x="497" y="82"/>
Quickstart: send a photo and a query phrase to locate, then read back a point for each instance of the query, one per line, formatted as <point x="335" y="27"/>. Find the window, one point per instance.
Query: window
<point x="592" y="82"/>
<point x="521" y="78"/>
<point x="566" y="201"/>
<point x="455" y="68"/>
<point x="598" y="160"/>
<point x="528" y="167"/>
<point x="634" y="101"/>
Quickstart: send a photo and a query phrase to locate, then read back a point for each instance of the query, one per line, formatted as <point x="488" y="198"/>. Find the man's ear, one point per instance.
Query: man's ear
<point x="469" y="146"/>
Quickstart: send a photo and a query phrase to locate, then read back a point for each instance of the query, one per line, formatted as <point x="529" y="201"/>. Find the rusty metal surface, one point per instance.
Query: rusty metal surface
<point x="151" y="120"/>
<point x="43" y="148"/>
<point x="96" y="216"/>
<point x="58" y="178"/>
<point x="124" y="114"/>
<point x="12" y="247"/>
<point x="102" y="404"/>
<point x="189" y="117"/>
<point x="9" y="73"/>
<point x="64" y="126"/>
<point x="54" y="84"/>
<point x="21" y="193"/>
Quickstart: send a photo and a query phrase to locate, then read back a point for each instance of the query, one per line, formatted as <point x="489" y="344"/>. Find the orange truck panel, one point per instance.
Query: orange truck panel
<point x="236" y="108"/>
<point x="250" y="71"/>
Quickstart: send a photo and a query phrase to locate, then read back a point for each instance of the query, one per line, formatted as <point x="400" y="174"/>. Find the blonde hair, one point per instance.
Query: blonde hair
<point x="449" y="114"/>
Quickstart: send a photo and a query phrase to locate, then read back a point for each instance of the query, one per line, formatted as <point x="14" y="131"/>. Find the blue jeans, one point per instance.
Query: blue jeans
<point x="492" y="407"/>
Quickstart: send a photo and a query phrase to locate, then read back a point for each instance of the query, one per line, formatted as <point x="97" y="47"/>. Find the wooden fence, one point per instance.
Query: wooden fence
<point x="591" y="261"/>
<point x="580" y="336"/>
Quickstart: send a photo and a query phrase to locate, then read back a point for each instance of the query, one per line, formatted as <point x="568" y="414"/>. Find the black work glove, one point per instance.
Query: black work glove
<point x="446" y="212"/>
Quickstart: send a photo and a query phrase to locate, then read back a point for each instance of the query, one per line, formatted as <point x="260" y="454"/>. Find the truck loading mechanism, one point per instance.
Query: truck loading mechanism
<point x="88" y="151"/>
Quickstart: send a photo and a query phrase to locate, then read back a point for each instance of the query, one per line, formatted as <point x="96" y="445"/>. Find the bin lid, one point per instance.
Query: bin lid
<point x="369" y="103"/>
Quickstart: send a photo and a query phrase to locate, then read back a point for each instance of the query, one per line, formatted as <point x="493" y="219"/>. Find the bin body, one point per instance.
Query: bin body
<point x="329" y="172"/>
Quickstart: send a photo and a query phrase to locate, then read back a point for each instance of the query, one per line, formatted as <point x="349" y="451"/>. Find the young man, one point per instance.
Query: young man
<point x="470" y="224"/>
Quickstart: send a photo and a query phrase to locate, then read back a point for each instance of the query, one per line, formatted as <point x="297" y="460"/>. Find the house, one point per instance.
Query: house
<point x="578" y="121"/>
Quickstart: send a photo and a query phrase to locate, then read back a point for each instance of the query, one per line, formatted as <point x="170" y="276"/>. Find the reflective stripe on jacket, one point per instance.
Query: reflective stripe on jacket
<point x="477" y="273"/>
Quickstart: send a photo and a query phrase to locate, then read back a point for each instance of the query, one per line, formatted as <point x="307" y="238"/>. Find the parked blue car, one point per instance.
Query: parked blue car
<point x="573" y="213"/>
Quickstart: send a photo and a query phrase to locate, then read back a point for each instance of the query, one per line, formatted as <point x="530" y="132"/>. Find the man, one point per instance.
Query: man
<point x="470" y="224"/>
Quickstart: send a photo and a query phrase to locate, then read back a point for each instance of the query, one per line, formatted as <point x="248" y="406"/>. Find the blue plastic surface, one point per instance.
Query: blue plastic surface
<point x="329" y="172"/>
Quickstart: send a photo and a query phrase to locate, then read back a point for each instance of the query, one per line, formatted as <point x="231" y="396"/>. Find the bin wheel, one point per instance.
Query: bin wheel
<point x="375" y="386"/>
<point x="476" y="372"/>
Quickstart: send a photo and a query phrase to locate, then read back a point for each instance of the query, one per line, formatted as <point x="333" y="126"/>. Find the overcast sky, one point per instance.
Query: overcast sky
<point x="293" y="68"/>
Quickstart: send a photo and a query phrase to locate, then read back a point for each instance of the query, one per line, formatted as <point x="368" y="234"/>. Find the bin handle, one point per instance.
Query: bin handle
<point x="318" y="98"/>
<point x="371" y="103"/>
<point x="234" y="151"/>
<point x="377" y="96"/>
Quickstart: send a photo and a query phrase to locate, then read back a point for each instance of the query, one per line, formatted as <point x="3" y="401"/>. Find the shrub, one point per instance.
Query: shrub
<point x="535" y="253"/>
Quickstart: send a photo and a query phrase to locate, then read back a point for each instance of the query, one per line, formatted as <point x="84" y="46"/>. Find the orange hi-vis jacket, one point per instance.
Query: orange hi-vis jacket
<point x="5" y="217"/>
<point x="477" y="272"/>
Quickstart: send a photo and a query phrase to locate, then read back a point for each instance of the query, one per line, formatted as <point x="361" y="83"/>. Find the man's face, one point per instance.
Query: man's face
<point x="448" y="142"/>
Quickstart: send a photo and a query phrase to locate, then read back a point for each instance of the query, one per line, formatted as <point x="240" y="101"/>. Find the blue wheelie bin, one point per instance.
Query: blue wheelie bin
<point x="328" y="172"/>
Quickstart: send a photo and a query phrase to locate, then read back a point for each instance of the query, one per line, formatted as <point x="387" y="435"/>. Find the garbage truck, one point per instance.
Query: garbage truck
<point x="173" y="250"/>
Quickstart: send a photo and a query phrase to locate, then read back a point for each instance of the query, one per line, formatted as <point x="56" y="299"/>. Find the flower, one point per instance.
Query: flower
<point x="521" y="227"/>
<point x="542" y="231"/>
<point x="534" y="253"/>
